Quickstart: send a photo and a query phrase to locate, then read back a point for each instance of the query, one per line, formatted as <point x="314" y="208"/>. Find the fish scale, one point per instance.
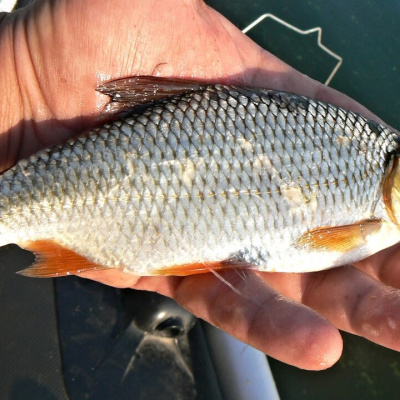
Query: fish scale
<point x="209" y="174"/>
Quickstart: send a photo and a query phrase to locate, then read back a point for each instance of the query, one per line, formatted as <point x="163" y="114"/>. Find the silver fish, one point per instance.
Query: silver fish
<point x="194" y="177"/>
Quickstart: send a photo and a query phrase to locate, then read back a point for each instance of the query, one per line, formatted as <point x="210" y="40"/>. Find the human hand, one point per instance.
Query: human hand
<point x="57" y="52"/>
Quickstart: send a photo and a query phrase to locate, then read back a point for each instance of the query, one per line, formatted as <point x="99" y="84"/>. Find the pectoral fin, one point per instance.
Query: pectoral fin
<point x="53" y="259"/>
<point x="339" y="238"/>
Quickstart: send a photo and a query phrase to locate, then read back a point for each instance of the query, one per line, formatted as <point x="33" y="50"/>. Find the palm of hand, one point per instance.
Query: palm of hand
<point x="66" y="48"/>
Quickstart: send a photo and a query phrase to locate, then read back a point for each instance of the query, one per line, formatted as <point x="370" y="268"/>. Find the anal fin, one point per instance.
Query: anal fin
<point x="53" y="260"/>
<point x="196" y="268"/>
<point x="339" y="238"/>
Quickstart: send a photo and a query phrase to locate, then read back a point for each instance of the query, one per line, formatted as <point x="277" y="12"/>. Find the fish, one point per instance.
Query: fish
<point x="187" y="177"/>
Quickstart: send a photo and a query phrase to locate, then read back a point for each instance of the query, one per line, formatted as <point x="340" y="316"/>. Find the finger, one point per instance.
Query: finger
<point x="383" y="266"/>
<point x="116" y="278"/>
<point x="349" y="299"/>
<point x="111" y="277"/>
<point x="260" y="316"/>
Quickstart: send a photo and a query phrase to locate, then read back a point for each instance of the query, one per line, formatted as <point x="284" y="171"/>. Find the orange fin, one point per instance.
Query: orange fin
<point x="196" y="268"/>
<point x="53" y="259"/>
<point x="339" y="238"/>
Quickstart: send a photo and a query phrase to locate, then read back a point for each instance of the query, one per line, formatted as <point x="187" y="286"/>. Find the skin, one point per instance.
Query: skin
<point x="54" y="54"/>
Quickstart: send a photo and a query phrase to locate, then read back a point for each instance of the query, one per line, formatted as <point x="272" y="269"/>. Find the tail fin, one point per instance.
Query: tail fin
<point x="53" y="260"/>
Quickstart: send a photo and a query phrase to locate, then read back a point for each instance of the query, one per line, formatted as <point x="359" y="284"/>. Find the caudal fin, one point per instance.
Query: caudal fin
<point x="53" y="260"/>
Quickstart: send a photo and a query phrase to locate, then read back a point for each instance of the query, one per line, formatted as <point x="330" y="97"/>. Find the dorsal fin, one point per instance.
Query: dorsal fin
<point x="128" y="93"/>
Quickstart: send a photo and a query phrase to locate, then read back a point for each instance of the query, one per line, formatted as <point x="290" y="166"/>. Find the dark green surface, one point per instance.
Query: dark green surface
<point x="365" y="371"/>
<point x="365" y="34"/>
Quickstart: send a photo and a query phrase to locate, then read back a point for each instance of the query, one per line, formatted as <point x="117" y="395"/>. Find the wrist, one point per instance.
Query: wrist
<point x="11" y="110"/>
<point x="27" y="120"/>
<point x="10" y="99"/>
